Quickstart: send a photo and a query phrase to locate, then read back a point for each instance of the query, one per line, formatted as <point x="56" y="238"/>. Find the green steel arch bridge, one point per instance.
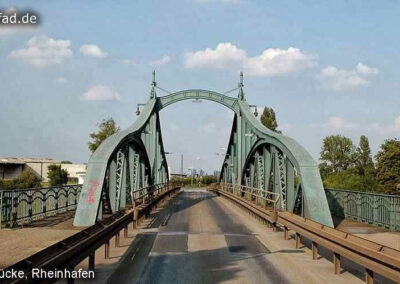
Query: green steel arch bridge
<point x="202" y="236"/>
<point x="256" y="157"/>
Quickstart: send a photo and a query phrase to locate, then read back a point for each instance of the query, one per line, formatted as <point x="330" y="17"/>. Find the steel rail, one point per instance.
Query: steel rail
<point x="374" y="257"/>
<point x="69" y="252"/>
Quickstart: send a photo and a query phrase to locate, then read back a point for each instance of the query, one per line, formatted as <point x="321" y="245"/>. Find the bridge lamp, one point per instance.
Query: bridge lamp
<point x="255" y="110"/>
<point x="138" y="108"/>
<point x="197" y="101"/>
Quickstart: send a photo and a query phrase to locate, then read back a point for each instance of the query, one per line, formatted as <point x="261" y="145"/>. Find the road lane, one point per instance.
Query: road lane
<point x="195" y="240"/>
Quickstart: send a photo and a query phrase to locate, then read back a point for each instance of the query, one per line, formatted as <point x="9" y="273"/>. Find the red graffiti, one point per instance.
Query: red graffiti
<point x="93" y="186"/>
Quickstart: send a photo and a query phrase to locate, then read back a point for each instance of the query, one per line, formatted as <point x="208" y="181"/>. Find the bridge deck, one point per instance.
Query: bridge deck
<point x="201" y="238"/>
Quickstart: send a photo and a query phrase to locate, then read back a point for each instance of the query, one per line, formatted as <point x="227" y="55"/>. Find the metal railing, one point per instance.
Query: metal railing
<point x="22" y="206"/>
<point x="376" y="209"/>
<point x="261" y="197"/>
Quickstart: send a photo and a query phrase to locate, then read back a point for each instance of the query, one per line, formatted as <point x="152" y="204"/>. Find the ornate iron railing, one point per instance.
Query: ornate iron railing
<point x="376" y="209"/>
<point x="22" y="206"/>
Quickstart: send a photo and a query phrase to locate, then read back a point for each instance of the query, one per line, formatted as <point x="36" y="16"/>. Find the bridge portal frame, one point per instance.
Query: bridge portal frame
<point x="255" y="154"/>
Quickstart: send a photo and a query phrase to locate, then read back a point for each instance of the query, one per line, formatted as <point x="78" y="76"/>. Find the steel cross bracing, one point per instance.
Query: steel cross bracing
<point x="255" y="156"/>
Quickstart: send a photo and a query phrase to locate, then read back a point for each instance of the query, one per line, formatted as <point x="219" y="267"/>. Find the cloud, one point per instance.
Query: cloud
<point x="92" y="50"/>
<point x="338" y="123"/>
<point x="341" y="79"/>
<point x="101" y="93"/>
<point x="388" y="129"/>
<point x="43" y="51"/>
<point x="272" y="61"/>
<point x="127" y="62"/>
<point x="61" y="80"/>
<point x="164" y="60"/>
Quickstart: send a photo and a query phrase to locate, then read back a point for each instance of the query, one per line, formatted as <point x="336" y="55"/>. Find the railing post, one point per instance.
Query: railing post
<point x="314" y="248"/>
<point x="92" y="257"/>
<point x="117" y="240"/>
<point x="107" y="249"/>
<point x="336" y="263"/>
<point x="369" y="276"/>
<point x="297" y="240"/>
<point x="71" y="280"/>
<point x="285" y="233"/>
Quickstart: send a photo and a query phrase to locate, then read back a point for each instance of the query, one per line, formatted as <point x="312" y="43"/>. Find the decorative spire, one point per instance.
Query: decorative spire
<point x="153" y="86"/>
<point x="240" y="86"/>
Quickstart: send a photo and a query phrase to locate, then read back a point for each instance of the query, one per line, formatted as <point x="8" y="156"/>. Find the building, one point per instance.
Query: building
<point x="77" y="171"/>
<point x="11" y="168"/>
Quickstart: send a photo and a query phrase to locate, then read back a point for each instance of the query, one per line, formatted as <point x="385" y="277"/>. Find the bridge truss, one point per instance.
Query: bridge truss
<point x="256" y="156"/>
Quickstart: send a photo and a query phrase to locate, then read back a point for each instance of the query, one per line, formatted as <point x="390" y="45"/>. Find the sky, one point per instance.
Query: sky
<point x="325" y="67"/>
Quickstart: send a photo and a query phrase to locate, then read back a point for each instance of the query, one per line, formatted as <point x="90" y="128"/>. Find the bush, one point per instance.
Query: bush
<point x="27" y="179"/>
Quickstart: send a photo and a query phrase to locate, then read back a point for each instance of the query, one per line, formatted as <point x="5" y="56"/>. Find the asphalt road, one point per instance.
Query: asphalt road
<point x="195" y="239"/>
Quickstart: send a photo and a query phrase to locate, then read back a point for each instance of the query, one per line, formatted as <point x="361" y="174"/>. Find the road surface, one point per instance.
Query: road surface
<point x="196" y="240"/>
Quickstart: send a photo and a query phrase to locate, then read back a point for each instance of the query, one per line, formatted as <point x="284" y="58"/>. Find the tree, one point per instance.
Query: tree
<point x="363" y="160"/>
<point x="57" y="175"/>
<point x="106" y="128"/>
<point x="66" y="162"/>
<point x="388" y="166"/>
<point x="268" y="119"/>
<point x="337" y="154"/>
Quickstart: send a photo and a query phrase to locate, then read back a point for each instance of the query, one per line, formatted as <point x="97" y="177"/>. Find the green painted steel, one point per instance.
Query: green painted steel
<point x="380" y="210"/>
<point x="255" y="155"/>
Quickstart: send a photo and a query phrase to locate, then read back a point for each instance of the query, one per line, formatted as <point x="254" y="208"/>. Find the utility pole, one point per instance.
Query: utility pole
<point x="182" y="164"/>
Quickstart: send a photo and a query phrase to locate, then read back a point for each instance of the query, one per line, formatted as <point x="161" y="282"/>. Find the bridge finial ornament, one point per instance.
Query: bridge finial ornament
<point x="153" y="85"/>
<point x="240" y="86"/>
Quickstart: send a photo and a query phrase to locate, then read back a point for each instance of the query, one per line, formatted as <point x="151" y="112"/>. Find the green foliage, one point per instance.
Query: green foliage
<point x="350" y="179"/>
<point x="66" y="162"/>
<point x="57" y="175"/>
<point x="107" y="128"/>
<point x="188" y="182"/>
<point x="27" y="179"/>
<point x="346" y="167"/>
<point x="337" y="154"/>
<point x="268" y="119"/>
<point x="388" y="166"/>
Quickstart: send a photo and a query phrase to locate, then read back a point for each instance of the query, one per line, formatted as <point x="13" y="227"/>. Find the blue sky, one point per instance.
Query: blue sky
<point x="325" y="67"/>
